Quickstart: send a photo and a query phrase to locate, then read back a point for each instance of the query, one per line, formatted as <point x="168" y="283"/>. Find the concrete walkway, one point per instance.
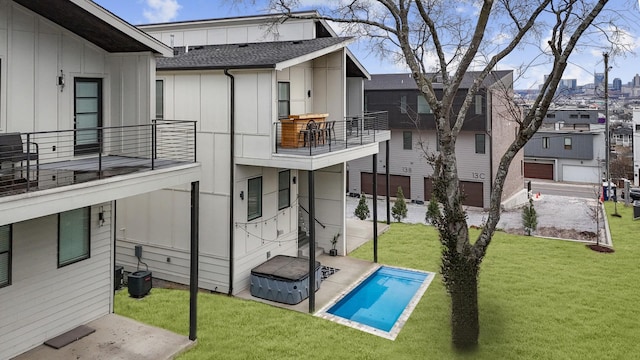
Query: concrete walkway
<point x="117" y="338"/>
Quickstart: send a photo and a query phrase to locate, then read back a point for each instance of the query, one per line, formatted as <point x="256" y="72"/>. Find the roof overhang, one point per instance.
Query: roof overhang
<point x="313" y="55"/>
<point x="97" y="25"/>
<point x="355" y="68"/>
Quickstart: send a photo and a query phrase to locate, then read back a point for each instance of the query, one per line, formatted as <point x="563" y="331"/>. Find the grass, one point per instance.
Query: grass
<point x="538" y="298"/>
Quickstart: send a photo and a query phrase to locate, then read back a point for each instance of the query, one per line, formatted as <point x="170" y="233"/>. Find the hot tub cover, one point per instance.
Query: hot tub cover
<point x="283" y="267"/>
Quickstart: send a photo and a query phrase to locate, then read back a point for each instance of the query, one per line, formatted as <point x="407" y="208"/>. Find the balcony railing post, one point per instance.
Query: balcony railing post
<point x="153" y="143"/>
<point x="276" y="138"/>
<point x="100" y="140"/>
<point x="195" y="142"/>
<point x="28" y="160"/>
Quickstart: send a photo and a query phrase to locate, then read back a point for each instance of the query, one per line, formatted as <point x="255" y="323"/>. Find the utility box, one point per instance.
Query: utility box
<point x="139" y="283"/>
<point x="117" y="277"/>
<point x="605" y="191"/>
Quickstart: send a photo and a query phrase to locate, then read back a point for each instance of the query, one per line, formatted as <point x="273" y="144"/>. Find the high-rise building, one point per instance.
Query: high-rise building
<point x="636" y="81"/>
<point x="617" y="84"/>
<point x="598" y="79"/>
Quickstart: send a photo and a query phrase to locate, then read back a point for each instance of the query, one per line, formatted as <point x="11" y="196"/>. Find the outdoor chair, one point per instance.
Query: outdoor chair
<point x="309" y="134"/>
<point x="330" y="131"/>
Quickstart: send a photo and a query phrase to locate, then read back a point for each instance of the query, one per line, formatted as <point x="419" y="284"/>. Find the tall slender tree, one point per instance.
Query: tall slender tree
<point x="439" y="41"/>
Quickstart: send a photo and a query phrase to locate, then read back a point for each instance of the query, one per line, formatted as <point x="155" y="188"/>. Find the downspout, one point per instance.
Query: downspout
<point x="232" y="115"/>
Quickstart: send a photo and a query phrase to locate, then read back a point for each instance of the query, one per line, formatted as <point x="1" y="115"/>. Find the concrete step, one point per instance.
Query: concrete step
<point x="303" y="252"/>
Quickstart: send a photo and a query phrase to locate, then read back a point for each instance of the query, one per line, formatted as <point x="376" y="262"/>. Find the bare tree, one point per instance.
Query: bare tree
<point x="436" y="38"/>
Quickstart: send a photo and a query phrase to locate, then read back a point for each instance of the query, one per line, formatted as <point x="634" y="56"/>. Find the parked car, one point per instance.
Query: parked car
<point x="634" y="194"/>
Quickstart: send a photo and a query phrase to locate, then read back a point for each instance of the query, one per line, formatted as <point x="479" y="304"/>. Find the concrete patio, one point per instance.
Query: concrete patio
<point x="116" y="338"/>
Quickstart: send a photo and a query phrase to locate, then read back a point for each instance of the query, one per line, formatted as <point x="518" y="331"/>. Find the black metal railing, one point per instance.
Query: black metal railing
<point x="310" y="137"/>
<point x="58" y="158"/>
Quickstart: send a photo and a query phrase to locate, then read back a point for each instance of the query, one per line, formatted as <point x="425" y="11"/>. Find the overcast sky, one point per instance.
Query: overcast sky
<point x="586" y="62"/>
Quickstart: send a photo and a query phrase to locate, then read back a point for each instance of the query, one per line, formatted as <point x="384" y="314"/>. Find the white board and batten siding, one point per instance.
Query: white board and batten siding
<point x="34" y="50"/>
<point x="45" y="301"/>
<point x="230" y="32"/>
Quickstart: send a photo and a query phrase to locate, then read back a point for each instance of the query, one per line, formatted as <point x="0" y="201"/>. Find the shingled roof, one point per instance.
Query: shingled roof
<point x="405" y="81"/>
<point x="246" y="56"/>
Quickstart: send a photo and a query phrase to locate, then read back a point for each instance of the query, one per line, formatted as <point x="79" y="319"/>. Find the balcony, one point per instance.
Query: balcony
<point x="52" y="159"/>
<point x="312" y="135"/>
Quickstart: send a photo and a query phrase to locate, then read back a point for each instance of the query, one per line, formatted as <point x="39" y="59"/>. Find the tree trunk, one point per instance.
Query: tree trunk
<point x="465" y="325"/>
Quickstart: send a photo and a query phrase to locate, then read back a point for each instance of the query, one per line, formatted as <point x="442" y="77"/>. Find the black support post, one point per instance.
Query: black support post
<point x="375" y="208"/>
<point x="193" y="277"/>
<point x="312" y="244"/>
<point x="388" y="184"/>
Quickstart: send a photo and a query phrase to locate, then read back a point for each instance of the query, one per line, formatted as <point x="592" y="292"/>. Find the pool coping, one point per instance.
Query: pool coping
<point x="402" y="319"/>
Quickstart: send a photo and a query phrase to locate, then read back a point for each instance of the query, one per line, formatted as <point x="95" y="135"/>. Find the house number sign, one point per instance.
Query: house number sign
<point x="476" y="175"/>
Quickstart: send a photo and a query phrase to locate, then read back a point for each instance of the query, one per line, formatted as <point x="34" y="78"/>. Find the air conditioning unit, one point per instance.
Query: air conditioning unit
<point x="139" y="283"/>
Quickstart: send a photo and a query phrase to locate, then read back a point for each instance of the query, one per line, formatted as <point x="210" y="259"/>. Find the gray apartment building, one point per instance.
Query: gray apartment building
<point x="488" y="130"/>
<point x="569" y="146"/>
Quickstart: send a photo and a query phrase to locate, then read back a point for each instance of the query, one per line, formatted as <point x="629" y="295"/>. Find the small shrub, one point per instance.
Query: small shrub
<point x="399" y="210"/>
<point x="529" y="218"/>
<point x="362" y="210"/>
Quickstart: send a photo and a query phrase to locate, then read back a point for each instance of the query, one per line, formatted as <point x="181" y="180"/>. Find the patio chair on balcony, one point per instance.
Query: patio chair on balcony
<point x="321" y="133"/>
<point x="12" y="151"/>
<point x="309" y="134"/>
<point x="330" y="131"/>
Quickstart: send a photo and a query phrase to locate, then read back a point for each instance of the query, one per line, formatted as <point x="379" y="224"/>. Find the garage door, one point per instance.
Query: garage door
<point x="474" y="192"/>
<point x="366" y="184"/>
<point x="584" y="174"/>
<point x="538" y="171"/>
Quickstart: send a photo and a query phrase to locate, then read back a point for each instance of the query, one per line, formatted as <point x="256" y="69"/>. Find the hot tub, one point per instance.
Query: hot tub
<point x="284" y="279"/>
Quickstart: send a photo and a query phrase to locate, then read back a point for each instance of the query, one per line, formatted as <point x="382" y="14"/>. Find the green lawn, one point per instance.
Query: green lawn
<point x="538" y="298"/>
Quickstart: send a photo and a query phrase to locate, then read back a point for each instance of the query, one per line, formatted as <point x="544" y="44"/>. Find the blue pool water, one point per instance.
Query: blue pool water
<point x="381" y="298"/>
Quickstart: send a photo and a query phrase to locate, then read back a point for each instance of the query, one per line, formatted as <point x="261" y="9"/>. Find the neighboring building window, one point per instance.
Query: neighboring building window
<point x="637" y="127"/>
<point x="159" y="99"/>
<point x="407" y="140"/>
<point x="403" y="104"/>
<point x="478" y="104"/>
<point x="254" y="198"/>
<point x="585" y="116"/>
<point x="423" y="106"/>
<point x="5" y="255"/>
<point x="480" y="140"/>
<point x="573" y="116"/>
<point x="567" y="143"/>
<point x="545" y="142"/>
<point x="551" y="116"/>
<point x="284" y="192"/>
<point x="284" y="100"/>
<point x="73" y="236"/>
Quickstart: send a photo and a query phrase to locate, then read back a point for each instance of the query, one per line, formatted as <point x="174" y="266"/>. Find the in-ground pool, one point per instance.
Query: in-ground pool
<point x="382" y="302"/>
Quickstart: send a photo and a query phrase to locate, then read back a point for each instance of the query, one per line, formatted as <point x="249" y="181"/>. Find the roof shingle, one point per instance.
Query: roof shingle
<point x="243" y="56"/>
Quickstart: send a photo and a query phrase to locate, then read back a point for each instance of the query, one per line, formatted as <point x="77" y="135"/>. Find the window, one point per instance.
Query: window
<point x="159" y="99"/>
<point x="545" y="142"/>
<point x="5" y="255"/>
<point x="284" y="100"/>
<point x="403" y="104"/>
<point x="254" y="197"/>
<point x="478" y="104"/>
<point x="573" y="116"/>
<point x="73" y="236"/>
<point x="567" y="143"/>
<point x="585" y="116"/>
<point x="423" y="106"/>
<point x="407" y="140"/>
<point x="551" y="116"/>
<point x="480" y="140"/>
<point x="284" y="192"/>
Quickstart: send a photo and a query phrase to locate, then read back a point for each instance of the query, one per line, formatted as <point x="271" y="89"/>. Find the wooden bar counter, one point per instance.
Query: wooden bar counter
<point x="292" y="126"/>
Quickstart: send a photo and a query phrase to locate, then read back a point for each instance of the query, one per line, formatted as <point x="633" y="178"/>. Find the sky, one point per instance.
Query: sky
<point x="584" y="62"/>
